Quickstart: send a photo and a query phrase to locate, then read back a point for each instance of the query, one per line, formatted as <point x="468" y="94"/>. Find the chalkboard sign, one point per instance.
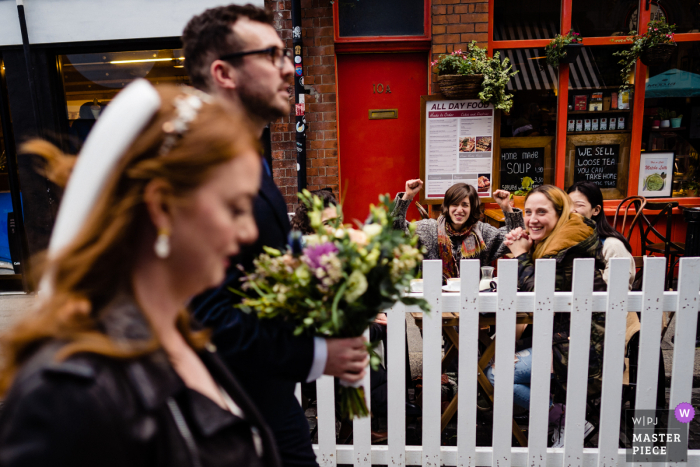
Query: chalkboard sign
<point x="517" y="163"/>
<point x="597" y="164"/>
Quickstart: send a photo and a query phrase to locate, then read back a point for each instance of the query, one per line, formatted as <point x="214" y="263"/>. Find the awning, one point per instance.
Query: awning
<point x="535" y="73"/>
<point x="673" y="83"/>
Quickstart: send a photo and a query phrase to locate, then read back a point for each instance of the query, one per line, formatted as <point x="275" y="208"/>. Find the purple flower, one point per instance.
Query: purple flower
<point x="313" y="254"/>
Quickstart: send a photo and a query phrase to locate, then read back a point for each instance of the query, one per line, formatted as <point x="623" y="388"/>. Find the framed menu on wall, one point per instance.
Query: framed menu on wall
<point x="656" y="174"/>
<point x="457" y="146"/>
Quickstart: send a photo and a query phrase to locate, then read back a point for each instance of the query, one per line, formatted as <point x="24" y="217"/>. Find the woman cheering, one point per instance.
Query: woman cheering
<point x="108" y="371"/>
<point x="458" y="233"/>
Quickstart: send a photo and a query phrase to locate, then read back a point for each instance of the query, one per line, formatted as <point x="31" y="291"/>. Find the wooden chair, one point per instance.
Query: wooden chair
<point x="631" y="202"/>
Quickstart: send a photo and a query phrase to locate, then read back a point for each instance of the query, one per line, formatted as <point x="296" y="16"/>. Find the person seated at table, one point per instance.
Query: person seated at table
<point x="587" y="200"/>
<point x="301" y="221"/>
<point x="555" y="231"/>
<point x="458" y="233"/>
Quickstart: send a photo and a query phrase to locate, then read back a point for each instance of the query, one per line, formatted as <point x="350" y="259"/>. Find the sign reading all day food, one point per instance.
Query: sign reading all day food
<point x="458" y="146"/>
<point x="518" y="163"/>
<point x="597" y="164"/>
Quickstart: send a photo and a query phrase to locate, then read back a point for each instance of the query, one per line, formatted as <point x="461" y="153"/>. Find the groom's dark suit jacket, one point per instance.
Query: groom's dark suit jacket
<point x="264" y="355"/>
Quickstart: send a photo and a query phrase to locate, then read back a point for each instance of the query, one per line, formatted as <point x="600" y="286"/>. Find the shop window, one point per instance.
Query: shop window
<point x="90" y="81"/>
<point x="672" y="115"/>
<point x="604" y="18"/>
<point x="599" y="122"/>
<point x="518" y="20"/>
<point x="10" y="241"/>
<point x="384" y="18"/>
<point x="528" y="133"/>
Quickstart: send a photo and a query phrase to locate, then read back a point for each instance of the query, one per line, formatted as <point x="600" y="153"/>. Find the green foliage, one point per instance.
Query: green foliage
<point x="525" y="187"/>
<point x="475" y="61"/>
<point x="659" y="32"/>
<point x="665" y="114"/>
<point x="555" y="49"/>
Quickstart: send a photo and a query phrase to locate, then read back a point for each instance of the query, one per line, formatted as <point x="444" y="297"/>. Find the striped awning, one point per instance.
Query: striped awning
<point x="535" y="73"/>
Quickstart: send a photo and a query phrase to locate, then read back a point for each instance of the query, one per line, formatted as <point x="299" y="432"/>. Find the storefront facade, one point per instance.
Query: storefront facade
<point x="365" y="67"/>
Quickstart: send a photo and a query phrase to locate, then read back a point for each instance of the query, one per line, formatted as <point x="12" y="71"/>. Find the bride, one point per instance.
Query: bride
<point x="108" y="371"/>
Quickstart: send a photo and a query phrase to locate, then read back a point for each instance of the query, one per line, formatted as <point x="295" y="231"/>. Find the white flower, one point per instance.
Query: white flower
<point x="357" y="285"/>
<point x="372" y="230"/>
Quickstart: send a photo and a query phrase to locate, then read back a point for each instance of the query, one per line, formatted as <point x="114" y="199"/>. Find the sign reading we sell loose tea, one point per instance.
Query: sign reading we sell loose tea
<point x="458" y="146"/>
<point x="518" y="163"/>
<point x="597" y="164"/>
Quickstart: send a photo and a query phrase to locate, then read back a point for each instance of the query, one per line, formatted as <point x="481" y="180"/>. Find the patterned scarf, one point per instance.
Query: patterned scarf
<point x="472" y="245"/>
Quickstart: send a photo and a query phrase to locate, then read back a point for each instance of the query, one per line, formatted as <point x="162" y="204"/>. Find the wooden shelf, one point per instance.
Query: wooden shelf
<point x="616" y="111"/>
<point x="599" y="132"/>
<point x="666" y="130"/>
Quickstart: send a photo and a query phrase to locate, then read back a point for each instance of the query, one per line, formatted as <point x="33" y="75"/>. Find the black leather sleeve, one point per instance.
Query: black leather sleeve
<point x="57" y="420"/>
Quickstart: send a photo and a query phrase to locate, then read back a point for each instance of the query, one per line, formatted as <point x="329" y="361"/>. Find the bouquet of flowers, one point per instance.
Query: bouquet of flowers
<point x="335" y="282"/>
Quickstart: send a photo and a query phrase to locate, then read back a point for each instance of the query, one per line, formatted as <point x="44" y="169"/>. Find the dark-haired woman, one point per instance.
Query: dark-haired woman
<point x="301" y="221"/>
<point x="458" y="233"/>
<point x="587" y="200"/>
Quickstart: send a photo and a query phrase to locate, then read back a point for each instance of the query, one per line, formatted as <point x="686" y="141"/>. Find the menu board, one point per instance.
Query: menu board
<point x="517" y="163"/>
<point x="458" y="146"/>
<point x="656" y="173"/>
<point x="597" y="164"/>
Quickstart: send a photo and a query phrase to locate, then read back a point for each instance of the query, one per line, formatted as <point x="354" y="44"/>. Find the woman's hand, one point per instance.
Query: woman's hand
<point x="518" y="241"/>
<point x="381" y="319"/>
<point x="502" y="197"/>
<point x="412" y="189"/>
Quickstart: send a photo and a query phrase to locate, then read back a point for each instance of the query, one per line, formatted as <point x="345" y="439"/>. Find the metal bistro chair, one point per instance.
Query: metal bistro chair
<point x="654" y="242"/>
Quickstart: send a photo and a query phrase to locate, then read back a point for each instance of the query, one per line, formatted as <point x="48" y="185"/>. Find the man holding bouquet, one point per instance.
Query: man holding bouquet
<point x="234" y="53"/>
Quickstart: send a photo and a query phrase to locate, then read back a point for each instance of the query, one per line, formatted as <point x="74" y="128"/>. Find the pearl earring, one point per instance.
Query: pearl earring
<point x="162" y="245"/>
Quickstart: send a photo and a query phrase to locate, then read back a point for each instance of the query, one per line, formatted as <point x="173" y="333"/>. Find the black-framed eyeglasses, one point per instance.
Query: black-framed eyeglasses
<point x="276" y="55"/>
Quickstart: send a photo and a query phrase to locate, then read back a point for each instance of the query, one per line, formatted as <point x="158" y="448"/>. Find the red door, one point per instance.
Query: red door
<point x="378" y="155"/>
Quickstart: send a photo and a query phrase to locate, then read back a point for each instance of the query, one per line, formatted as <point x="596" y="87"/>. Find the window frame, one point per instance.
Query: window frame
<point x="563" y="91"/>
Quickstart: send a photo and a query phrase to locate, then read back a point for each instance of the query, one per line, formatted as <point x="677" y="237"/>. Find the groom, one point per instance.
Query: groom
<point x="234" y="53"/>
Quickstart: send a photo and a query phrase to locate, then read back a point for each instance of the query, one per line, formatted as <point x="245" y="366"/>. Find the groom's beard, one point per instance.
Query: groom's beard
<point x="264" y="105"/>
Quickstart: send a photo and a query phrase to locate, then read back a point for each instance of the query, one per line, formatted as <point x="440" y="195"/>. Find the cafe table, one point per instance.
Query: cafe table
<point x="449" y="321"/>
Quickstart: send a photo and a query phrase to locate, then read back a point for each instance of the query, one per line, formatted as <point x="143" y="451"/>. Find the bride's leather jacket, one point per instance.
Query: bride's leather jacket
<point x="93" y="410"/>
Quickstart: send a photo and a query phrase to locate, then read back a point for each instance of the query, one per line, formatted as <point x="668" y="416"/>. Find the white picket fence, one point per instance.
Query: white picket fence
<point x="544" y="301"/>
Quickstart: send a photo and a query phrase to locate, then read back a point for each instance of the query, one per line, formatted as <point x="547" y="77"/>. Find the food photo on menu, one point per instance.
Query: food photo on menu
<point x="467" y="144"/>
<point x="483" y="143"/>
<point x="484" y="183"/>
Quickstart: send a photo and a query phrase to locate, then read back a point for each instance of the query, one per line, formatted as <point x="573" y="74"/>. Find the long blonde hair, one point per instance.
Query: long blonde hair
<point x="562" y="205"/>
<point x="98" y="264"/>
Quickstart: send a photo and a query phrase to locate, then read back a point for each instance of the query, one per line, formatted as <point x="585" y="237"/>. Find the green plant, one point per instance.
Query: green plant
<point x="658" y="32"/>
<point x="474" y="61"/>
<point x="555" y="49"/>
<point x="525" y="187"/>
<point x="664" y="114"/>
<point x="692" y="185"/>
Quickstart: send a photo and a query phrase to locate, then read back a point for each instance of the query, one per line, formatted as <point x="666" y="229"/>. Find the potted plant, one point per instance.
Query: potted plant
<point x="564" y="49"/>
<point x="518" y="196"/>
<point x="691" y="188"/>
<point x="676" y="121"/>
<point x="665" y="115"/>
<point x="471" y="74"/>
<point x="654" y="48"/>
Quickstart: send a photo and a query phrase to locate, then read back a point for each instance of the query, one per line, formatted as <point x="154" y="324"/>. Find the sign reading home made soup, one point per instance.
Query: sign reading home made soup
<point x="597" y="164"/>
<point x="458" y="146"/>
<point x="518" y="163"/>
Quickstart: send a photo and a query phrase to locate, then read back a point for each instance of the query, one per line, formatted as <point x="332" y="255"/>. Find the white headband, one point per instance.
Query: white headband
<point x="123" y="119"/>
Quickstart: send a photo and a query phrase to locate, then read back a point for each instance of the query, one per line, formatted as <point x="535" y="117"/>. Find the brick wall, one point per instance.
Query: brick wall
<point x="455" y="24"/>
<point x="319" y="76"/>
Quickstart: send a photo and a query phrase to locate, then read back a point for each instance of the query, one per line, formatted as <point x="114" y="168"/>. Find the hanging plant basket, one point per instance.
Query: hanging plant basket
<point x="460" y="86"/>
<point x="657" y="55"/>
<point x="572" y="51"/>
